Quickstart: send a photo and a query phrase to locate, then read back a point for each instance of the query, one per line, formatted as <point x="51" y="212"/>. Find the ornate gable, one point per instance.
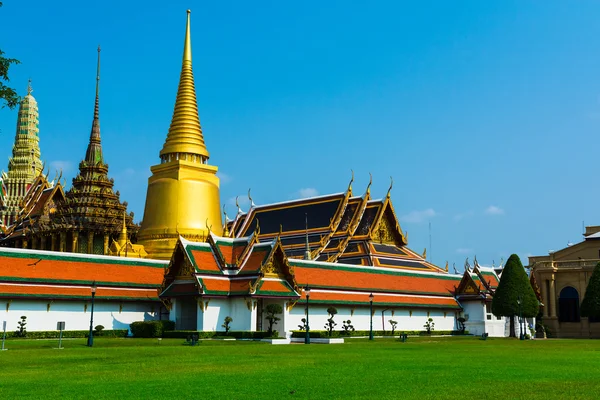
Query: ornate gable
<point x="467" y="285"/>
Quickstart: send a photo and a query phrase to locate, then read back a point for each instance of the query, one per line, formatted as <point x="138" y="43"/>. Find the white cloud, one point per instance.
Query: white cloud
<point x="463" y="250"/>
<point x="461" y="216"/>
<point x="225" y="179"/>
<point x="307" y="192"/>
<point x="494" y="210"/>
<point x="418" y="216"/>
<point x="60" y="165"/>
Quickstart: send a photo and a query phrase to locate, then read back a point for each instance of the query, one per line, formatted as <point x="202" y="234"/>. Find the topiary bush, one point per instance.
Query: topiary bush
<point x="150" y="329"/>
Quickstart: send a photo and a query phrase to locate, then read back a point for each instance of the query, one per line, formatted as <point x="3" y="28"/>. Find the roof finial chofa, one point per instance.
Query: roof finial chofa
<point x="307" y="250"/>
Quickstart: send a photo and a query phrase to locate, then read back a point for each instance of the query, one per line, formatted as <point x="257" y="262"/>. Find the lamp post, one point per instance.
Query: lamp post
<point x="521" y="335"/>
<point x="307" y="336"/>
<point x="371" y="315"/>
<point x="90" y="342"/>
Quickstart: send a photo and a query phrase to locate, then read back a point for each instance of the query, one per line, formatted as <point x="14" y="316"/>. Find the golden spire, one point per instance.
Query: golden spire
<point x="29" y="89"/>
<point x="185" y="132"/>
<point x="123" y="234"/>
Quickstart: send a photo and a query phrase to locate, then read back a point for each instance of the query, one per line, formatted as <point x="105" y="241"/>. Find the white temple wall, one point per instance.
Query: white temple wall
<point x="282" y="325"/>
<point x="242" y="317"/>
<point x="214" y="314"/>
<point x="111" y="315"/>
<point x="360" y="318"/>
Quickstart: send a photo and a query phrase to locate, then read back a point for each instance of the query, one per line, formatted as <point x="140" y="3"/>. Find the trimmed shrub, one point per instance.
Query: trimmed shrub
<point x="514" y="284"/>
<point x="325" y="334"/>
<point x="70" y="334"/>
<point x="150" y="329"/>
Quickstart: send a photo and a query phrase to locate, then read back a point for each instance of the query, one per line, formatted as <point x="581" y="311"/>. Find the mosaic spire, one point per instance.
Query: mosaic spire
<point x="185" y="132"/>
<point x="25" y="163"/>
<point x="93" y="154"/>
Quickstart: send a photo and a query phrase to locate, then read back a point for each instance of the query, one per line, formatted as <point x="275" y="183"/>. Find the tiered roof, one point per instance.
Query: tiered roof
<point x="52" y="275"/>
<point x="250" y="268"/>
<point x="477" y="282"/>
<point x="340" y="228"/>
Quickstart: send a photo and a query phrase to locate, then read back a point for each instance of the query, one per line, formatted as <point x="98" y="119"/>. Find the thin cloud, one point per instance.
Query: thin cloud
<point x="461" y="216"/>
<point x="225" y="179"/>
<point x="307" y="192"/>
<point x="61" y="165"/>
<point x="418" y="216"/>
<point x="462" y="250"/>
<point x="494" y="210"/>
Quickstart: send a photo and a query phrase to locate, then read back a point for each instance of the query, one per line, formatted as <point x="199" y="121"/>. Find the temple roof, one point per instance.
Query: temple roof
<point x="264" y="270"/>
<point x="53" y="275"/>
<point x="339" y="227"/>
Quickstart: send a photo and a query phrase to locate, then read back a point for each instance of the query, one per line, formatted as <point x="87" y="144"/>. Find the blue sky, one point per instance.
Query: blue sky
<point x="485" y="113"/>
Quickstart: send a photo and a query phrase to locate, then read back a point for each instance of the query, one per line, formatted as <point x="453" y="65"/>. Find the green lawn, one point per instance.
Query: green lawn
<point x="422" y="368"/>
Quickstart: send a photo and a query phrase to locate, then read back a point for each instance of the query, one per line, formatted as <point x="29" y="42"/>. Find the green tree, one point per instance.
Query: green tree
<point x="590" y="306"/>
<point x="272" y="311"/>
<point x="514" y="284"/>
<point x="7" y="94"/>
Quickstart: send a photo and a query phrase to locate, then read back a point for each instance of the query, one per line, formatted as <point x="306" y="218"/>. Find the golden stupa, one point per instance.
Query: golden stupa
<point x="183" y="191"/>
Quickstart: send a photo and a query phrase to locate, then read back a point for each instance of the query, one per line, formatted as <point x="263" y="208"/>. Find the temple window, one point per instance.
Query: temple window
<point x="488" y="311"/>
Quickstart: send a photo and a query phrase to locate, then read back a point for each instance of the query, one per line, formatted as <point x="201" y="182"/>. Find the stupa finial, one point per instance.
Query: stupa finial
<point x="93" y="155"/>
<point x="185" y="132"/>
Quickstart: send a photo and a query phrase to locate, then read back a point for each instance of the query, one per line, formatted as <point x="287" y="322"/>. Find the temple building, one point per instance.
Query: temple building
<point x="25" y="164"/>
<point x="562" y="277"/>
<point x="87" y="218"/>
<point x="342" y="250"/>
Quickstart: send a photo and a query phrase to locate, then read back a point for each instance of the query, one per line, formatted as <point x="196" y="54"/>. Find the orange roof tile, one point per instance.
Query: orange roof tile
<point x="274" y="288"/>
<point x="65" y="291"/>
<point x="203" y="259"/>
<point x="45" y="266"/>
<point x="371" y="279"/>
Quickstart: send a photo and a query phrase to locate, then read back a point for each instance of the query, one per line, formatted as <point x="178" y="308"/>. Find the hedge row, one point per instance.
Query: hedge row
<point x="325" y="334"/>
<point x="68" y="334"/>
<point x="210" y="335"/>
<point x="151" y="329"/>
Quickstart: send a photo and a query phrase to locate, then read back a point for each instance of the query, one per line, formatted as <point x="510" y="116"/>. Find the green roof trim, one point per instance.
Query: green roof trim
<point x="376" y="290"/>
<point x="87" y="258"/>
<point x="79" y="282"/>
<point x="391" y="304"/>
<point x="372" y="270"/>
<point x="68" y="297"/>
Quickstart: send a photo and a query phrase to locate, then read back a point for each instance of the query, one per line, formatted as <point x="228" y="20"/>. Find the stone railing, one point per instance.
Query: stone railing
<point x="568" y="264"/>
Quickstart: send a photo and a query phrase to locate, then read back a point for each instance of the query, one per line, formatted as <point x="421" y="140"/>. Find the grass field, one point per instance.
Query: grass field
<point x="422" y="368"/>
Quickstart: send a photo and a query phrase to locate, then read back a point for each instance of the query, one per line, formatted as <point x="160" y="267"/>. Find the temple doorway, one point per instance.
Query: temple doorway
<point x="568" y="305"/>
<point x="187" y="314"/>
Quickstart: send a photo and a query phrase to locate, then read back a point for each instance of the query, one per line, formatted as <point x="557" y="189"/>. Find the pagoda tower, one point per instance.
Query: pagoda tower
<point x="25" y="163"/>
<point x="183" y="191"/>
<point x="92" y="213"/>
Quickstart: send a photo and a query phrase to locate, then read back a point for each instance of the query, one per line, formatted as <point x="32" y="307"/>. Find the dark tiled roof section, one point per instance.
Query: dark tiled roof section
<point x="367" y="219"/>
<point x="292" y="218"/>
<point x="387" y="249"/>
